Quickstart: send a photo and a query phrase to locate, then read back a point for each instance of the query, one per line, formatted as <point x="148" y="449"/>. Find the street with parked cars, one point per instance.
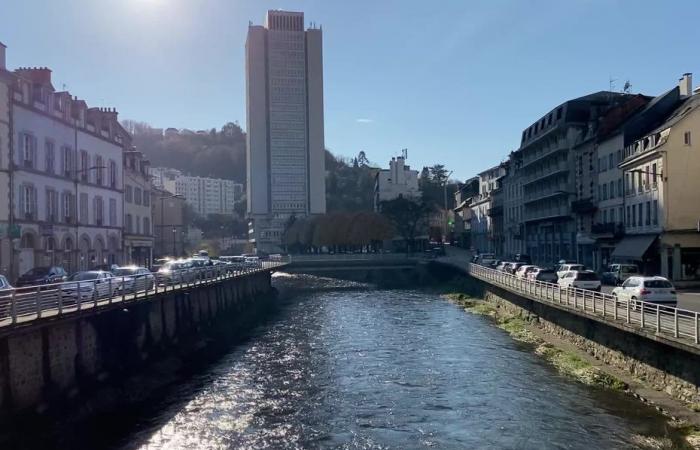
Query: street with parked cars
<point x="52" y="287"/>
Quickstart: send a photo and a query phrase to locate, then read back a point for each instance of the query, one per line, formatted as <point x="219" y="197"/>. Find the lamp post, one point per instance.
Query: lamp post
<point x="174" y="233"/>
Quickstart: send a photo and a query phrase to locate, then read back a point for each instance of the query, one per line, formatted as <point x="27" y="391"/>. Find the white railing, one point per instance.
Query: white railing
<point x="25" y="304"/>
<point x="312" y="257"/>
<point x="665" y="320"/>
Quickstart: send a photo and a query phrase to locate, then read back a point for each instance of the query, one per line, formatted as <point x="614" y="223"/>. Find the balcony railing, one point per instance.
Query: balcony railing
<point x="611" y="229"/>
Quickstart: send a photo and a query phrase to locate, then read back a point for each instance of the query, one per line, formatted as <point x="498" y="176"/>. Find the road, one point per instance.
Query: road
<point x="686" y="300"/>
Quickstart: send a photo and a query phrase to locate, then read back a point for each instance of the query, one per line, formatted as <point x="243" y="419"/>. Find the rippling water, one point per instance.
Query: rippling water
<point x="386" y="369"/>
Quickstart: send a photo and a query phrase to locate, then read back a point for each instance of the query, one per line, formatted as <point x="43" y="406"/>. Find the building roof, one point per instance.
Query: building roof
<point x="686" y="107"/>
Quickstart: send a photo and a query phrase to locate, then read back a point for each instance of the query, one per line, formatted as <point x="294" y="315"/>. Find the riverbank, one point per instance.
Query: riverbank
<point x="575" y="363"/>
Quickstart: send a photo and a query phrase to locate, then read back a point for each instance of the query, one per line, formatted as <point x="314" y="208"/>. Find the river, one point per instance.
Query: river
<point x="363" y="368"/>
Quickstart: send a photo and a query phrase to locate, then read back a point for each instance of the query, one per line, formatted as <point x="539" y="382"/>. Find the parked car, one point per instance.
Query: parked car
<point x="618" y="273"/>
<point x="252" y="262"/>
<point x="524" y="270"/>
<point x="172" y="272"/>
<point x="546" y="275"/>
<point x="134" y="279"/>
<point x="581" y="279"/>
<point x="237" y="262"/>
<point x="501" y="266"/>
<point x="485" y="259"/>
<point x="42" y="275"/>
<point x="5" y="295"/>
<point x="511" y="267"/>
<point x="563" y="268"/>
<point x="89" y="285"/>
<point x="647" y="289"/>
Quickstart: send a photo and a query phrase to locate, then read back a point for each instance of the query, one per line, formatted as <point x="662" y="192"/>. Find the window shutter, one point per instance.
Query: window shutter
<point x="21" y="201"/>
<point x="33" y="154"/>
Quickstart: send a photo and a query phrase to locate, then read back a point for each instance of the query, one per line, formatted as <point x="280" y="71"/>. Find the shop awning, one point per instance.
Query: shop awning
<point x="633" y="247"/>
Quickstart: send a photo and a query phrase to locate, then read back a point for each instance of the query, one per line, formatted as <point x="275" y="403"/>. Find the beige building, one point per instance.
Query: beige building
<point x="6" y="80"/>
<point x="662" y="211"/>
<point x="398" y="181"/>
<point x="285" y="135"/>
<point x="138" y="228"/>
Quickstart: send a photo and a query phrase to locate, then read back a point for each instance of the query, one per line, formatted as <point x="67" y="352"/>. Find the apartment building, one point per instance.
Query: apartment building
<point x="398" y="181"/>
<point x="662" y="214"/>
<point x="548" y="174"/>
<point x="138" y="220"/>
<point x="205" y="195"/>
<point x="512" y="185"/>
<point x="285" y="134"/>
<point x="484" y="236"/>
<point x="64" y="167"/>
<point x="6" y="234"/>
<point x="462" y="212"/>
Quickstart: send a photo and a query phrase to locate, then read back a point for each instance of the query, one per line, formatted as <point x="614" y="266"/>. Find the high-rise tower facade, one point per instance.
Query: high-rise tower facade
<point x="285" y="141"/>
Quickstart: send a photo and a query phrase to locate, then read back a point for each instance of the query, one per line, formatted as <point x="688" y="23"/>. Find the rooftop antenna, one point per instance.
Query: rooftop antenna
<point x="404" y="153"/>
<point x="612" y="83"/>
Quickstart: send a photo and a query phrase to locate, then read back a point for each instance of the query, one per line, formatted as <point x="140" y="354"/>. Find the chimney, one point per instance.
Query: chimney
<point x="3" y="65"/>
<point x="685" y="84"/>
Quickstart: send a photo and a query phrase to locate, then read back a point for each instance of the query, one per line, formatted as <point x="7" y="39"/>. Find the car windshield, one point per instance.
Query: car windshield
<point x="628" y="269"/>
<point x="658" y="284"/>
<point x="587" y="276"/>
<point x="125" y="271"/>
<point x="84" y="276"/>
<point x="38" y="271"/>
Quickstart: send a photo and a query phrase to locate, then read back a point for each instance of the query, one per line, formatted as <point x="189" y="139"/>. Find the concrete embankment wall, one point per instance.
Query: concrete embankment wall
<point x="665" y="367"/>
<point x="59" y="363"/>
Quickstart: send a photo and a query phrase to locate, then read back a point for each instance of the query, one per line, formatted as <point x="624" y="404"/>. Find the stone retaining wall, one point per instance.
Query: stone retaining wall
<point x="660" y="366"/>
<point x="55" y="363"/>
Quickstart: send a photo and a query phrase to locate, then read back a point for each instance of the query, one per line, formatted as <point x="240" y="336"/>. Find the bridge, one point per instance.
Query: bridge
<point x="312" y="263"/>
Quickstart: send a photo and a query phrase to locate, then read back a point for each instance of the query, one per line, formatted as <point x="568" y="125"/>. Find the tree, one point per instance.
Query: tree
<point x="408" y="216"/>
<point x="438" y="174"/>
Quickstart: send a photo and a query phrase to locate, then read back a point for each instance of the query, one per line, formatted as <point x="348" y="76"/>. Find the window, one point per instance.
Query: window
<point x="656" y="212"/>
<point x="112" y="212"/>
<point x="605" y="192"/>
<point x="137" y="219"/>
<point x="50" y="157"/>
<point x="611" y="163"/>
<point x="112" y="174"/>
<point x="83" y="208"/>
<point x="653" y="174"/>
<point x="619" y="156"/>
<point x="146" y="198"/>
<point x="99" y="210"/>
<point x="612" y="189"/>
<point x="66" y="161"/>
<point x="84" y="165"/>
<point x="686" y="138"/>
<point x="612" y="215"/>
<point x="559" y="113"/>
<point x="619" y="187"/>
<point x="99" y="171"/>
<point x="51" y="205"/>
<point x="639" y="182"/>
<point x="641" y="214"/>
<point x="146" y="226"/>
<point x="605" y="216"/>
<point x="647" y="185"/>
<point x="67" y="207"/>
<point x="128" y="224"/>
<point x="648" y="218"/>
<point x="628" y="221"/>
<point x="634" y="215"/>
<point x="27" y="144"/>
<point x="128" y="194"/>
<point x="137" y="195"/>
<point x="27" y="201"/>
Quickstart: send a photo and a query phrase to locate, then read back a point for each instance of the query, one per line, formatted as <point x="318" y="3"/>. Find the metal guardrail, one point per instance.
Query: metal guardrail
<point x="25" y="304"/>
<point x="645" y="316"/>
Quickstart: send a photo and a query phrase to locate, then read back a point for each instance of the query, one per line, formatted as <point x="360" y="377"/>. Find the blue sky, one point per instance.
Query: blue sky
<point x="455" y="82"/>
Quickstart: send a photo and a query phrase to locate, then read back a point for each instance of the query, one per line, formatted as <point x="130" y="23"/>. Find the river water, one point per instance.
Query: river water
<point x="363" y="368"/>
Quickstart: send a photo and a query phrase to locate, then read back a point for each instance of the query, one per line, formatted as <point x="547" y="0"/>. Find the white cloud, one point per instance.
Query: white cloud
<point x="363" y="120"/>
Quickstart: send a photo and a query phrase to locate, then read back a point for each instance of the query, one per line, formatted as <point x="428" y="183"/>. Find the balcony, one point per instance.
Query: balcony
<point x="609" y="230"/>
<point x="584" y="206"/>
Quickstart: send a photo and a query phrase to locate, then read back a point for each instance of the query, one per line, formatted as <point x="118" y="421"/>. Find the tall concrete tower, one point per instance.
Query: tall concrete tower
<point x="284" y="100"/>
